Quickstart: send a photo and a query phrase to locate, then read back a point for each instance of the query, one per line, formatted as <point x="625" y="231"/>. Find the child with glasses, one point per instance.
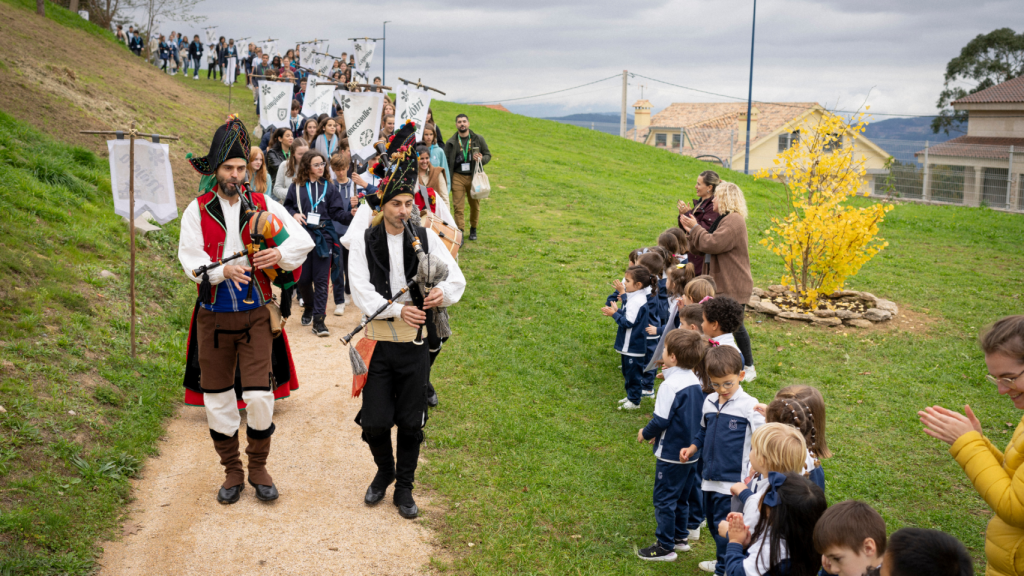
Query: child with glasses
<point x="728" y="421"/>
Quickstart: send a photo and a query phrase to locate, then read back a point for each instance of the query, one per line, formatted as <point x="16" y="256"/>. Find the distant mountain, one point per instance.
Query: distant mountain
<point x="592" y="117"/>
<point x="905" y="129"/>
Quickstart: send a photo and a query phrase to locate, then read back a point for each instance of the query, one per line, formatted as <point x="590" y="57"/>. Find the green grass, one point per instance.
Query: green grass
<point x="65" y="17"/>
<point x="542" y="474"/>
<point x="81" y="416"/>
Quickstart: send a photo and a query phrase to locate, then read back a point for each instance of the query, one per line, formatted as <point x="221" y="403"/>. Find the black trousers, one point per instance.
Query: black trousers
<point x="313" y="285"/>
<point x="213" y="68"/>
<point x="743" y="343"/>
<point x="395" y="391"/>
<point x="339" y="278"/>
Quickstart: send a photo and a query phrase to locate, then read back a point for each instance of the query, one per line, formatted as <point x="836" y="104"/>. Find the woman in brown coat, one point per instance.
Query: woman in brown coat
<point x="703" y="212"/>
<point x="725" y="246"/>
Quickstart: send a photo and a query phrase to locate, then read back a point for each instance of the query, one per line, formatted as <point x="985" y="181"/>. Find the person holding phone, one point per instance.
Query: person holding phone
<point x="703" y="211"/>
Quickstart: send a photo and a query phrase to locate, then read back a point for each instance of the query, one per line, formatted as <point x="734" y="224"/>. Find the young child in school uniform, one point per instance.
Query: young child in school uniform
<point x="656" y="317"/>
<point x="697" y="290"/>
<point x="728" y="421"/>
<point x="782" y="542"/>
<point x="619" y="290"/>
<point x="674" y="284"/>
<point x="850" y="536"/>
<point x="691" y="317"/>
<point x="793" y="406"/>
<point x="630" y="341"/>
<point x="722" y="315"/>
<point x="682" y="245"/>
<point x="673" y="426"/>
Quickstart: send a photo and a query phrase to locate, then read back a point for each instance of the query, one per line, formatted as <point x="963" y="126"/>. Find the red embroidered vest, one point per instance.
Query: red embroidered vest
<point x="215" y="232"/>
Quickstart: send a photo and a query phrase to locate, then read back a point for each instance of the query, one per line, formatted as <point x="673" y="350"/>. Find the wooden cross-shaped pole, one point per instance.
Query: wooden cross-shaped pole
<point x="419" y="84"/>
<point x="132" y="134"/>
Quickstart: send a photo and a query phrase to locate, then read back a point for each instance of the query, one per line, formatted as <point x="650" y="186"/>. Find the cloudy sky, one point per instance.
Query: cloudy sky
<point x="889" y="53"/>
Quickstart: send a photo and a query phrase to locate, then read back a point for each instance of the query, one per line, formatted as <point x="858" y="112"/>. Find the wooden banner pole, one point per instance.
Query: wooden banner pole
<point x="131" y="226"/>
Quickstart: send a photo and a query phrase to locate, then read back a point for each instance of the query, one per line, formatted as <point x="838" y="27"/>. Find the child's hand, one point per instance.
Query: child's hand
<point x="736" y="488"/>
<point x="738" y="531"/>
<point x="651" y="329"/>
<point x="640" y="436"/>
<point x="723" y="528"/>
<point x="660" y="376"/>
<point x="761" y="409"/>
<point x="610" y="310"/>
<point x="685" y="453"/>
<point x="619" y="287"/>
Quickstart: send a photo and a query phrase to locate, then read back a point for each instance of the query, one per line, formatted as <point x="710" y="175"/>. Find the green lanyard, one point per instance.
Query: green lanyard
<point x="465" y="148"/>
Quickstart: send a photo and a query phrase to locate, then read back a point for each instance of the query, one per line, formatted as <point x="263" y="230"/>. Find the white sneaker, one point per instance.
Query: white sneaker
<point x="708" y="565"/>
<point x="682" y="547"/>
<point x="647" y="394"/>
<point x="694" y="535"/>
<point x="627" y="405"/>
<point x="624" y="400"/>
<point x="749" y="373"/>
<point x="339" y="309"/>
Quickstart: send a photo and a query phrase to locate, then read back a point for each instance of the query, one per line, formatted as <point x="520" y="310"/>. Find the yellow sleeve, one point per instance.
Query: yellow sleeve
<point x="1002" y="490"/>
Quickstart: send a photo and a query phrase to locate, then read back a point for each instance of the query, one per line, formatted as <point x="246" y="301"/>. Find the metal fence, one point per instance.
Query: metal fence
<point x="952" y="173"/>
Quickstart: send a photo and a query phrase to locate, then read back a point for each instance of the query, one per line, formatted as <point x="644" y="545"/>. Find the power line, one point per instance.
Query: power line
<point x="546" y="93"/>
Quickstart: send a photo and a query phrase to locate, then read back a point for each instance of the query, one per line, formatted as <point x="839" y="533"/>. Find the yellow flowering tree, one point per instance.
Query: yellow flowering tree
<point x="823" y="241"/>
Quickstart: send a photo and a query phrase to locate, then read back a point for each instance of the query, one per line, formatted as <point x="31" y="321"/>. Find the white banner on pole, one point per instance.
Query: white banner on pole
<point x="275" y="103"/>
<point x="364" y="54"/>
<point x="154" y="184"/>
<point x="318" y="98"/>
<point x="269" y="48"/>
<point x="211" y="35"/>
<point x="229" y="71"/>
<point x="362" y="111"/>
<point x="320" y="63"/>
<point x="413" y="104"/>
<point x="306" y="52"/>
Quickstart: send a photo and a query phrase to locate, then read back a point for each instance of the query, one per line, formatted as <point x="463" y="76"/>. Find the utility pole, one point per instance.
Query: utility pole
<point x="750" y="91"/>
<point x="622" y="119"/>
<point x="384" y="65"/>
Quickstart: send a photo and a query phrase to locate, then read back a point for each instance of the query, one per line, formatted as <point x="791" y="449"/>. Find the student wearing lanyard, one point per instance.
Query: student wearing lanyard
<point x="327" y="140"/>
<point x="315" y="202"/>
<point x="339" y="265"/>
<point x="466" y="151"/>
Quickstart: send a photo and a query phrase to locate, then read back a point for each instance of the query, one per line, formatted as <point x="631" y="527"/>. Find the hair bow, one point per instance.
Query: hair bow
<point x="713" y="343"/>
<point x="705" y="299"/>
<point x="775" y="480"/>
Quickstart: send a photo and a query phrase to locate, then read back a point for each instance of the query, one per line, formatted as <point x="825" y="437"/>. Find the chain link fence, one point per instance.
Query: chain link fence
<point x="952" y="173"/>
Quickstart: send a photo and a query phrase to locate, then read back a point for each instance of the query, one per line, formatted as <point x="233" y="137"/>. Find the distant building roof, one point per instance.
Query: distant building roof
<point x="975" y="147"/>
<point x="1009" y="92"/>
<point x="709" y="124"/>
<point x="497" y="107"/>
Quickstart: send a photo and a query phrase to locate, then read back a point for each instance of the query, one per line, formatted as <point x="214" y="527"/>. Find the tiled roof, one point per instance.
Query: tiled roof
<point x="709" y="125"/>
<point x="1009" y="92"/>
<point x="497" y="107"/>
<point x="975" y="147"/>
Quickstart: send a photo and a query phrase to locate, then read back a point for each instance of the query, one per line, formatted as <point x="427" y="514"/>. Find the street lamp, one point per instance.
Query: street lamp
<point x="750" y="91"/>
<point x="384" y="67"/>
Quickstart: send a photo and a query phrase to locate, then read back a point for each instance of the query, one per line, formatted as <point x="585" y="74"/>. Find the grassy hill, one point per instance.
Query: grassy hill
<point x="541" y="472"/>
<point x="536" y="467"/>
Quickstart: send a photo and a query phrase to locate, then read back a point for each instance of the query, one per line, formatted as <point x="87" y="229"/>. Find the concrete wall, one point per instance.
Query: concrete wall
<point x="996" y="124"/>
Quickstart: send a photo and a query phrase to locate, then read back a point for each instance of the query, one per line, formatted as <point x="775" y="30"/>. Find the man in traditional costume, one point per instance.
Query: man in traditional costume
<point x="382" y="261"/>
<point x="231" y="343"/>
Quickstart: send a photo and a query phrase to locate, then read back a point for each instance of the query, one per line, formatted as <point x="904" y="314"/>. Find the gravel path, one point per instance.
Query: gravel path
<point x="319" y="525"/>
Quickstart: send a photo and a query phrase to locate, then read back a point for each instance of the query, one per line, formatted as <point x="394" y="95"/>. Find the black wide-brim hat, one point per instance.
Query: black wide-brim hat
<point x="399" y="176"/>
<point x="230" y="141"/>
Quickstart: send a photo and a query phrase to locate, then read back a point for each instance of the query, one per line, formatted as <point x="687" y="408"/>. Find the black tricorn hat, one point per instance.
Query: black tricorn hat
<point x="230" y="141"/>
<point x="398" y="168"/>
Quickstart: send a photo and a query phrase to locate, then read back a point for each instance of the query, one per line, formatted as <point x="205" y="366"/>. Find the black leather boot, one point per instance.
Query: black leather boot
<point x="431" y="395"/>
<point x="407" y="456"/>
<point x="380" y="447"/>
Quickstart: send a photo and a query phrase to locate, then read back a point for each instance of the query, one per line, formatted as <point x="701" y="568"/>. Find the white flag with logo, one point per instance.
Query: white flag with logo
<point x="269" y="48"/>
<point x="318" y="98"/>
<point x="211" y="35"/>
<point x="275" y="103"/>
<point x="364" y="54"/>
<point x="306" y="52"/>
<point x="154" y="184"/>
<point x="413" y="104"/>
<point x="229" y="72"/>
<point x="320" y="63"/>
<point x="362" y="111"/>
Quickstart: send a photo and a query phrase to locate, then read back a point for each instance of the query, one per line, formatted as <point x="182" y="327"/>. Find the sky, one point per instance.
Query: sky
<point x="889" y="54"/>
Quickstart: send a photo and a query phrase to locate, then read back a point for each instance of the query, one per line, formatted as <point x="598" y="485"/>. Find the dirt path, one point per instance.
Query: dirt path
<point x="319" y="525"/>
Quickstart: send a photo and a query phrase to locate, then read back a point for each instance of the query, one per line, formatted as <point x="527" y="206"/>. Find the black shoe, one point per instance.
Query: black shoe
<point x="230" y="495"/>
<point x="265" y="493"/>
<point x="307" y="316"/>
<point x="406" y="505"/>
<point x="384" y="458"/>
<point x="656" y="552"/>
<point x="319" y="328"/>
<point x="431" y="395"/>
<point x="472" y="233"/>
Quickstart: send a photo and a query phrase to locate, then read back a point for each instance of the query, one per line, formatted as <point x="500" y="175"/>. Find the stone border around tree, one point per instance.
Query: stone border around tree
<point x="878" y="309"/>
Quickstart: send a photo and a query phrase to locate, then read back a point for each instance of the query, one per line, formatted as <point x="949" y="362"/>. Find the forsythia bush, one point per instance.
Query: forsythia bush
<point x="822" y="241"/>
